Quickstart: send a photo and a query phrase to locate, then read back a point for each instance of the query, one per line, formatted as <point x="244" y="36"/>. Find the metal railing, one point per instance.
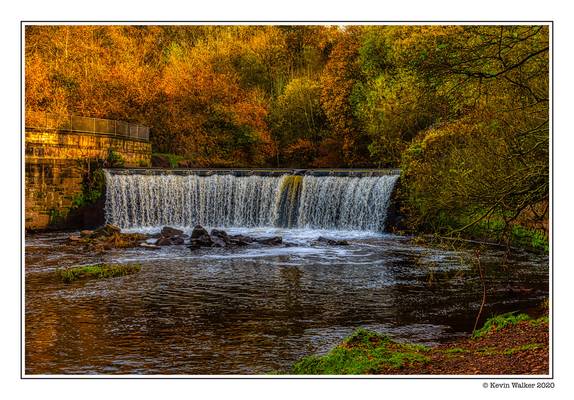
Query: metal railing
<point x="76" y="123"/>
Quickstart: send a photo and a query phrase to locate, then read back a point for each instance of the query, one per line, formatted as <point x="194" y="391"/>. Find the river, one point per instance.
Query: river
<point x="255" y="310"/>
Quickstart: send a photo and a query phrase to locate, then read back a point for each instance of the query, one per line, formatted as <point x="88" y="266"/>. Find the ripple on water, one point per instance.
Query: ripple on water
<point x="254" y="310"/>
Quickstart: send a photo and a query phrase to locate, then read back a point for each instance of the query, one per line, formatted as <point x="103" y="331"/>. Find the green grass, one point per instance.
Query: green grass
<point x="363" y="352"/>
<point x="491" y="351"/>
<point x="499" y="322"/>
<point x="455" y="350"/>
<point x="539" y="321"/>
<point x="97" y="271"/>
<point x="487" y="351"/>
<point x="526" y="347"/>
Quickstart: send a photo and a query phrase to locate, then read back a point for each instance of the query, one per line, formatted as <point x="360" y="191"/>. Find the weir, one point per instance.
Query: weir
<point x="317" y="199"/>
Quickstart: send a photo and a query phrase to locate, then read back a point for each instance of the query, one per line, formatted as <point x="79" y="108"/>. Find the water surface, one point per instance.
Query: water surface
<point x="254" y="310"/>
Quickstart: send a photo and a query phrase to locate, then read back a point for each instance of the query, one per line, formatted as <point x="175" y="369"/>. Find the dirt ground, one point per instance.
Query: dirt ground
<point x="519" y="349"/>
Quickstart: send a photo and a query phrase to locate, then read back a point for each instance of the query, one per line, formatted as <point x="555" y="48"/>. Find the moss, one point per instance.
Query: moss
<point x="539" y="321"/>
<point x="455" y="350"/>
<point x="526" y="347"/>
<point x="97" y="271"/>
<point x="487" y="351"/>
<point x="499" y="322"/>
<point x="363" y="352"/>
<point x="491" y="351"/>
<point x="364" y="337"/>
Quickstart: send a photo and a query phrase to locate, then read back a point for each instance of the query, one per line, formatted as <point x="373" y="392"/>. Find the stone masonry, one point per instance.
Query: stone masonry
<point x="55" y="165"/>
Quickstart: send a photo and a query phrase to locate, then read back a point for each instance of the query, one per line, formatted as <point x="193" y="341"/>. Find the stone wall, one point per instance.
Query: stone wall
<point x="56" y="163"/>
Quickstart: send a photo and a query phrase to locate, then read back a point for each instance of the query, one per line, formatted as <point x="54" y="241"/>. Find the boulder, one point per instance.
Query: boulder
<point x="169" y="241"/>
<point x="163" y="241"/>
<point x="74" y="238"/>
<point x="272" y="241"/>
<point x="240" y="240"/>
<point x="198" y="231"/>
<point x="106" y="230"/>
<point x="86" y="233"/>
<point x="176" y="240"/>
<point x="219" y="238"/>
<point x="201" y="241"/>
<point x="218" y="242"/>
<point x="168" y="231"/>
<point x="331" y="242"/>
<point x="216" y="233"/>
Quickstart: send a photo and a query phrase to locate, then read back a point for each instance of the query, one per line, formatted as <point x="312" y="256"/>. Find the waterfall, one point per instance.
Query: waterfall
<point x="292" y="201"/>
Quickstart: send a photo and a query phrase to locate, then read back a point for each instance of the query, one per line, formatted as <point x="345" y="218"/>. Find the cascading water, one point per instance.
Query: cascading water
<point x="346" y="203"/>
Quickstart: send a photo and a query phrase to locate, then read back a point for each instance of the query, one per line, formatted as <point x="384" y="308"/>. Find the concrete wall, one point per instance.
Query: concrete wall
<point x="55" y="167"/>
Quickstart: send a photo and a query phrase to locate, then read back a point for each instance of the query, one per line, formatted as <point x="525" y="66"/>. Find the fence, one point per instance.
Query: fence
<point x="75" y="123"/>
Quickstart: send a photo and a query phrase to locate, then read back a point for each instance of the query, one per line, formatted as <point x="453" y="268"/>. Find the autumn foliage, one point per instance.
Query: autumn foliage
<point x="463" y="110"/>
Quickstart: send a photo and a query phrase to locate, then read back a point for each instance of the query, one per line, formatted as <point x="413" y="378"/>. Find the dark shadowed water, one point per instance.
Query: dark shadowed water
<point x="257" y="309"/>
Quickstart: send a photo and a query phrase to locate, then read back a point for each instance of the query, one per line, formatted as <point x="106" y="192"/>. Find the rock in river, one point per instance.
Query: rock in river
<point x="331" y="242"/>
<point x="220" y="238"/>
<point x="198" y="231"/>
<point x="168" y="231"/>
<point x="272" y="241"/>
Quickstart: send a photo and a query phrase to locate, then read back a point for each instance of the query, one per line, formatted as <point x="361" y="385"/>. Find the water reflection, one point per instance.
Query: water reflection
<point x="251" y="311"/>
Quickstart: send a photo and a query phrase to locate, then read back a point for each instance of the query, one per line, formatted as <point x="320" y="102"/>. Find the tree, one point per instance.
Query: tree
<point x="341" y="73"/>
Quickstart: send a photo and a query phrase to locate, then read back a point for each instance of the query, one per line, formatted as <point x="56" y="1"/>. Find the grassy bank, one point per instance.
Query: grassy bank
<point x="507" y="344"/>
<point x="97" y="271"/>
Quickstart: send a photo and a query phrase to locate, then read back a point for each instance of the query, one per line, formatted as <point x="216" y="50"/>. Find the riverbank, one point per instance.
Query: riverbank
<point x="507" y="345"/>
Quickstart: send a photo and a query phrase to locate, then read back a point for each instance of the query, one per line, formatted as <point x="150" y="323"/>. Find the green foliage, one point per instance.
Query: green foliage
<point x="529" y="238"/>
<point x="463" y="110"/>
<point x="296" y="117"/>
<point x="539" y="321"/>
<point x="97" y="271"/>
<point x="499" y="322"/>
<point x="525" y="347"/>
<point x="172" y="159"/>
<point x="93" y="187"/>
<point x="485" y="156"/>
<point x="492" y="228"/>
<point x="55" y="216"/>
<point x="114" y="159"/>
<point x="455" y="350"/>
<point x="363" y="352"/>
